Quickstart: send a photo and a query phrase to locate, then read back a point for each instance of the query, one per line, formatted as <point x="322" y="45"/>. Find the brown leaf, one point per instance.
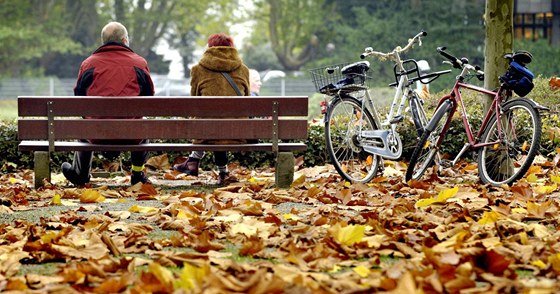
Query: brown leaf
<point x="493" y="262"/>
<point x="251" y="246"/>
<point x="160" y="162"/>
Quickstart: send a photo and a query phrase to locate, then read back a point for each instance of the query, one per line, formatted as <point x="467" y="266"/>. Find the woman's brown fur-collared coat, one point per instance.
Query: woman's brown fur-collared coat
<point x="206" y="79"/>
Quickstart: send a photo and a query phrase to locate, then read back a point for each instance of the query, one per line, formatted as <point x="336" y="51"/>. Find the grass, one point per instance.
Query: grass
<point x="9" y="109"/>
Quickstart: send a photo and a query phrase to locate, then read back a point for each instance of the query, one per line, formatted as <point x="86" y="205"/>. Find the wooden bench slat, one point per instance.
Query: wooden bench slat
<point x="68" y="129"/>
<point x="163" y="106"/>
<point x="183" y="147"/>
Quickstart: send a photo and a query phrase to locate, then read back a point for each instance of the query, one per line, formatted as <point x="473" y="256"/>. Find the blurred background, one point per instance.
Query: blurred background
<point x="43" y="42"/>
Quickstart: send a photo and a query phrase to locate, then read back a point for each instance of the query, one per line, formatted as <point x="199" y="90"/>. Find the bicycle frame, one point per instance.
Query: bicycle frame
<point x="403" y="91"/>
<point x="457" y="100"/>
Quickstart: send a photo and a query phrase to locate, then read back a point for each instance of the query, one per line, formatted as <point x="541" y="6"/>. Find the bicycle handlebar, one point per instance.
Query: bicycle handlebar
<point x="460" y="63"/>
<point x="390" y="55"/>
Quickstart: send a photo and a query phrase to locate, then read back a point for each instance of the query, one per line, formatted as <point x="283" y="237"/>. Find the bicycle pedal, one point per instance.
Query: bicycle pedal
<point x="397" y="119"/>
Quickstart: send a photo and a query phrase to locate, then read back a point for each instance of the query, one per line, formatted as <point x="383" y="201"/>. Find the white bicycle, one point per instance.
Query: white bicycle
<point x="356" y="137"/>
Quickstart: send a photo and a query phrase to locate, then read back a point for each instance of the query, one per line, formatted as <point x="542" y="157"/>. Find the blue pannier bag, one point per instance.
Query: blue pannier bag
<point x="518" y="78"/>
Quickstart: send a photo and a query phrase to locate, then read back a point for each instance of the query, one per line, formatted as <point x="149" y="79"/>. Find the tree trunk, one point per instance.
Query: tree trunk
<point x="499" y="41"/>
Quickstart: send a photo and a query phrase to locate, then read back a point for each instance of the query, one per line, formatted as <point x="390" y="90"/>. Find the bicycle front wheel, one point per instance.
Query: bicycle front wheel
<point x="344" y="141"/>
<point x="427" y="148"/>
<point x="418" y="114"/>
<point x="509" y="159"/>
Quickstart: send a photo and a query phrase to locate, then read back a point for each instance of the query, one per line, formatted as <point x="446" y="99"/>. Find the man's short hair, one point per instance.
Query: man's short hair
<point x="114" y="32"/>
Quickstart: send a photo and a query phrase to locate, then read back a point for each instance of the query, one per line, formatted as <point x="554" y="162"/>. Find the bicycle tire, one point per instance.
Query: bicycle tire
<point x="427" y="148"/>
<point x="344" y="144"/>
<point x="418" y="114"/>
<point x="521" y="144"/>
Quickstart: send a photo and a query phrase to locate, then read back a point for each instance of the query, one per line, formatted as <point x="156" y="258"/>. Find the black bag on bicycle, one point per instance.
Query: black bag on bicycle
<point x="518" y="78"/>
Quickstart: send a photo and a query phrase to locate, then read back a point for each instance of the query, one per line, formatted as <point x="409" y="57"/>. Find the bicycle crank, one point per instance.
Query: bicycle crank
<point x="390" y="146"/>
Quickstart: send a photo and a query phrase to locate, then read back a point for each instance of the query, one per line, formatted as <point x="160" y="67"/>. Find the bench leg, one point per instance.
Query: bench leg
<point x="284" y="169"/>
<point x="41" y="160"/>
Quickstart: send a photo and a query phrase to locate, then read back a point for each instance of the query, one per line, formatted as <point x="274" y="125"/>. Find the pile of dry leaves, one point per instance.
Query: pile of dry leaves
<point x="449" y="234"/>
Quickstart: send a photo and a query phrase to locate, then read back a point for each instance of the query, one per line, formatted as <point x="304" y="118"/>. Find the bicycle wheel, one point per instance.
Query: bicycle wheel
<point x="427" y="148"/>
<point x="418" y="114"/>
<point x="344" y="143"/>
<point x="507" y="161"/>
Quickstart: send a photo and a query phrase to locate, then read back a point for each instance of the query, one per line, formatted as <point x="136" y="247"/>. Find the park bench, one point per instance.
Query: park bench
<point x="54" y="124"/>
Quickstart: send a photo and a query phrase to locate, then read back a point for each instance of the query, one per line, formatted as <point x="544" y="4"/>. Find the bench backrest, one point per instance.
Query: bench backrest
<point x="170" y="117"/>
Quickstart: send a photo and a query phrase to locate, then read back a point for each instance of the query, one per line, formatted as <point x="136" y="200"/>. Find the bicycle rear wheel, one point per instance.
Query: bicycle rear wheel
<point x="508" y="161"/>
<point x="344" y="142"/>
<point x="427" y="148"/>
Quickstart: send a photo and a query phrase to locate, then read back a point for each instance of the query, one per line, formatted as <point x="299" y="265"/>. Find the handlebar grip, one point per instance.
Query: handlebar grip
<point x="424" y="33"/>
<point x="362" y="56"/>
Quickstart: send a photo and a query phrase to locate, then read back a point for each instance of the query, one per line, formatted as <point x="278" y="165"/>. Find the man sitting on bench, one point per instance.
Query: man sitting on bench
<point x="112" y="70"/>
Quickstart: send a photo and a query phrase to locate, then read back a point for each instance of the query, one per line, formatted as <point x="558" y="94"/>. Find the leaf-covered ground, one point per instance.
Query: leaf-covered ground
<point x="449" y="234"/>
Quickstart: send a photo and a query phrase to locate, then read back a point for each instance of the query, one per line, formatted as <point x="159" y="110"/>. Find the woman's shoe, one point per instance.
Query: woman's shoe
<point x="189" y="167"/>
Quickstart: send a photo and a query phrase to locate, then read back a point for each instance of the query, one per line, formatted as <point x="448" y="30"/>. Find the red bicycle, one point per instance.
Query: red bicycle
<point x="509" y="137"/>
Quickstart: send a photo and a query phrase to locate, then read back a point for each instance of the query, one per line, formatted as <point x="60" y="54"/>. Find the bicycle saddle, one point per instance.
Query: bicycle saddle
<point x="520" y="56"/>
<point x="359" y="68"/>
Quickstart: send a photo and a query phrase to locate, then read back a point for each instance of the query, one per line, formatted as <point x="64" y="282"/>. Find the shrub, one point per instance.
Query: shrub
<point x="316" y="153"/>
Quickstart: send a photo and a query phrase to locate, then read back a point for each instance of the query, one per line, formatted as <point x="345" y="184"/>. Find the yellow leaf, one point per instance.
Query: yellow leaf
<point x="14" y="181"/>
<point x="48" y="237"/>
<point x="336" y="268"/>
<point x="544" y="190"/>
<point x="164" y="275"/>
<point x="348" y="235"/>
<point x="532" y="178"/>
<point x="554" y="260"/>
<point x="539" y="263"/>
<point x="369" y="160"/>
<point x="362" y="271"/>
<point x="191" y="277"/>
<point x="56" y="200"/>
<point x="524" y="238"/>
<point x="182" y="214"/>
<point x="299" y="181"/>
<point x="142" y="209"/>
<point x="538" y="209"/>
<point x="555" y="179"/>
<point x="525" y="146"/>
<point x="289" y="216"/>
<point x="91" y="196"/>
<point x="519" y="210"/>
<point x="489" y="217"/>
<point x="441" y="198"/>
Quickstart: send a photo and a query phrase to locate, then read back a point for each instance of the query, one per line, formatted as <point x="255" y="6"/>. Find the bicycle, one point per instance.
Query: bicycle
<point x="509" y="136"/>
<point x="356" y="138"/>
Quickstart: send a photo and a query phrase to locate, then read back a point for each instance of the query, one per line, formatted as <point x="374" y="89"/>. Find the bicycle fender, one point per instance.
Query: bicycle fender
<point x="445" y="106"/>
<point x="329" y="109"/>
<point x="534" y="104"/>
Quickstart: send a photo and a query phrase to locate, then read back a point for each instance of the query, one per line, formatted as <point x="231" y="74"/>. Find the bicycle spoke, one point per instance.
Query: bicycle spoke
<point x="344" y="142"/>
<point x="508" y="160"/>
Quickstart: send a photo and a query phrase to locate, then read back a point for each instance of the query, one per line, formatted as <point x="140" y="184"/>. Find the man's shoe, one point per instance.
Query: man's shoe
<point x="138" y="177"/>
<point x="189" y="166"/>
<point x="223" y="177"/>
<point x="72" y="176"/>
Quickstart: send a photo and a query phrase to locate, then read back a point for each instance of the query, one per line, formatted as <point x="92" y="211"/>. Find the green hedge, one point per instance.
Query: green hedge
<point x="316" y="153"/>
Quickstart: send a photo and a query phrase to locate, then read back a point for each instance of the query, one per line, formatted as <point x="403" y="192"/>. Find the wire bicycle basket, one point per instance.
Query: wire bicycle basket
<point x="346" y="77"/>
